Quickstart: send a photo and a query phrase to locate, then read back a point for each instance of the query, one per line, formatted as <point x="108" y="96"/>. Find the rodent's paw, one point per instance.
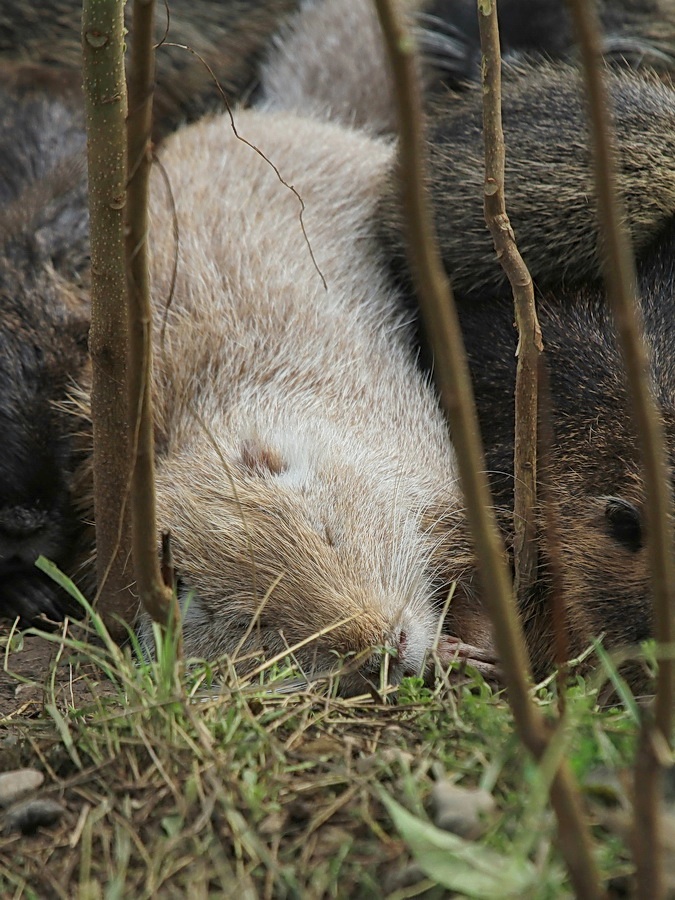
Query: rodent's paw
<point x="483" y="659"/>
<point x="30" y="596"/>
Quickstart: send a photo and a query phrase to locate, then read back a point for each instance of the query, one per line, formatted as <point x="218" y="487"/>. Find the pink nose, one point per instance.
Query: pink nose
<point x="402" y="662"/>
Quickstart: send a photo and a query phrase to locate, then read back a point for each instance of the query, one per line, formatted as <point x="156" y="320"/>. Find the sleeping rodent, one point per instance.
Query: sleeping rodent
<point x="595" y="473"/>
<point x="43" y="335"/>
<point x="299" y="449"/>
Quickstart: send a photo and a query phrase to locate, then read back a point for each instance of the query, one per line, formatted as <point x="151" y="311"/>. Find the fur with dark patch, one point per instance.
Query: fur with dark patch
<point x="43" y="331"/>
<point x="230" y="37"/>
<point x="549" y="184"/>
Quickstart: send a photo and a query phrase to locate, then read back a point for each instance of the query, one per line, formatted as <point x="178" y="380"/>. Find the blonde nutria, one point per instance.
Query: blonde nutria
<point x="594" y="469"/>
<point x="356" y="509"/>
<point x="43" y="335"/>
<point x="298" y="447"/>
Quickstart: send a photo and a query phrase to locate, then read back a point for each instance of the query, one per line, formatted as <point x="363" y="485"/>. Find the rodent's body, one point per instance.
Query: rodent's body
<point x="43" y="331"/>
<point x="549" y="184"/>
<point x="298" y="447"/>
<point x="227" y="41"/>
<point x="595" y="477"/>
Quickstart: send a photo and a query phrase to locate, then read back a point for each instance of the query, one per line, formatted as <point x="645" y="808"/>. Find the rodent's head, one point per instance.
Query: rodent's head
<point x="289" y="540"/>
<point x="41" y="341"/>
<point x="597" y="483"/>
<point x="605" y="566"/>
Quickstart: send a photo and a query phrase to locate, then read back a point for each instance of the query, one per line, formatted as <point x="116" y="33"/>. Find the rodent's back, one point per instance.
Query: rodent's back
<point x="227" y="41"/>
<point x="549" y="185"/>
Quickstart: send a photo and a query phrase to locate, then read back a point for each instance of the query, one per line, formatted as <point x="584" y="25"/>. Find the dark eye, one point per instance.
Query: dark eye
<point x="624" y="523"/>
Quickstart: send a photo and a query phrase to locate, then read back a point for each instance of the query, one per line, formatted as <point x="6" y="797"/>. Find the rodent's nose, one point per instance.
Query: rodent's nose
<point x="401" y="665"/>
<point x="23" y="533"/>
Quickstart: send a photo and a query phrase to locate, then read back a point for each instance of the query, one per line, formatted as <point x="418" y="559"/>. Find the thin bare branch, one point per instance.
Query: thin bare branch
<point x="621" y="283"/>
<point x="529" y="333"/>
<point x="452" y="378"/>
<point x="106" y="108"/>
<point x="157" y="598"/>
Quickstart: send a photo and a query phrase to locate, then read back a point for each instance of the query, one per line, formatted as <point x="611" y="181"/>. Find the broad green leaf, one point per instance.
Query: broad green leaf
<point x="460" y="865"/>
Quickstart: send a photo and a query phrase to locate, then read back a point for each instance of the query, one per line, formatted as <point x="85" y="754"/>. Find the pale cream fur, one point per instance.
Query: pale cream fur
<point x="330" y="62"/>
<point x="299" y="447"/>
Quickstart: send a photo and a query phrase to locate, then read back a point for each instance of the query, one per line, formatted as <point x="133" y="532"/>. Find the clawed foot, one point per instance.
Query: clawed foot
<point x="32" y="597"/>
<point x="450" y="649"/>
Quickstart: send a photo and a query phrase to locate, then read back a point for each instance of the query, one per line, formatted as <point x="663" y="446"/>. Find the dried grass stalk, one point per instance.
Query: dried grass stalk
<point x="621" y="287"/>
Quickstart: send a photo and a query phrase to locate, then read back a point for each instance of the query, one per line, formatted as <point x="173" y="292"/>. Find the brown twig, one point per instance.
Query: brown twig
<point x="551" y="529"/>
<point x="621" y="287"/>
<point x="529" y="333"/>
<point x="157" y="598"/>
<point x="106" y="107"/>
<point x="452" y="378"/>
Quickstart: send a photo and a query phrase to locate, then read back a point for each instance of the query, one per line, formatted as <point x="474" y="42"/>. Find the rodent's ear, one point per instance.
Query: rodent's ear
<point x="261" y="459"/>
<point x="624" y="523"/>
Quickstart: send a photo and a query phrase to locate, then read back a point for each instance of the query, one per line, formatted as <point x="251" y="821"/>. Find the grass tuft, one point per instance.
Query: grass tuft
<point x="184" y="781"/>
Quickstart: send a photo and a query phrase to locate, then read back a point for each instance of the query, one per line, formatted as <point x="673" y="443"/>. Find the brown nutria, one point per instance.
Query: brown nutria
<point x="636" y="33"/>
<point x="230" y="37"/>
<point x="594" y="462"/>
<point x="298" y="446"/>
<point x="43" y="332"/>
<point x="549" y="174"/>
<point x="596" y="482"/>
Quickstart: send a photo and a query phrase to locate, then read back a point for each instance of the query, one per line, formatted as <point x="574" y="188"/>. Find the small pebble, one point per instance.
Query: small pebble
<point x="17" y="783"/>
<point x="463" y="811"/>
<point x="387" y="757"/>
<point x="30" y="815"/>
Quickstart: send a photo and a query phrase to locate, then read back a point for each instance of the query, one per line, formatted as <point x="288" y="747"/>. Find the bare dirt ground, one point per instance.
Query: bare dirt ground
<point x="27" y="682"/>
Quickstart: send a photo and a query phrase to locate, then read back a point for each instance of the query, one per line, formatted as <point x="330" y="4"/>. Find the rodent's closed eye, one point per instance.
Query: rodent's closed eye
<point x="624" y="523"/>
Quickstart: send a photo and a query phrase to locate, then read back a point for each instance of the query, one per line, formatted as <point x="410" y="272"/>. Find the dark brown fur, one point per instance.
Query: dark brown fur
<point x="636" y="33"/>
<point x="43" y="330"/>
<point x="230" y="37"/>
<point x="596" y="482"/>
<point x="549" y="179"/>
